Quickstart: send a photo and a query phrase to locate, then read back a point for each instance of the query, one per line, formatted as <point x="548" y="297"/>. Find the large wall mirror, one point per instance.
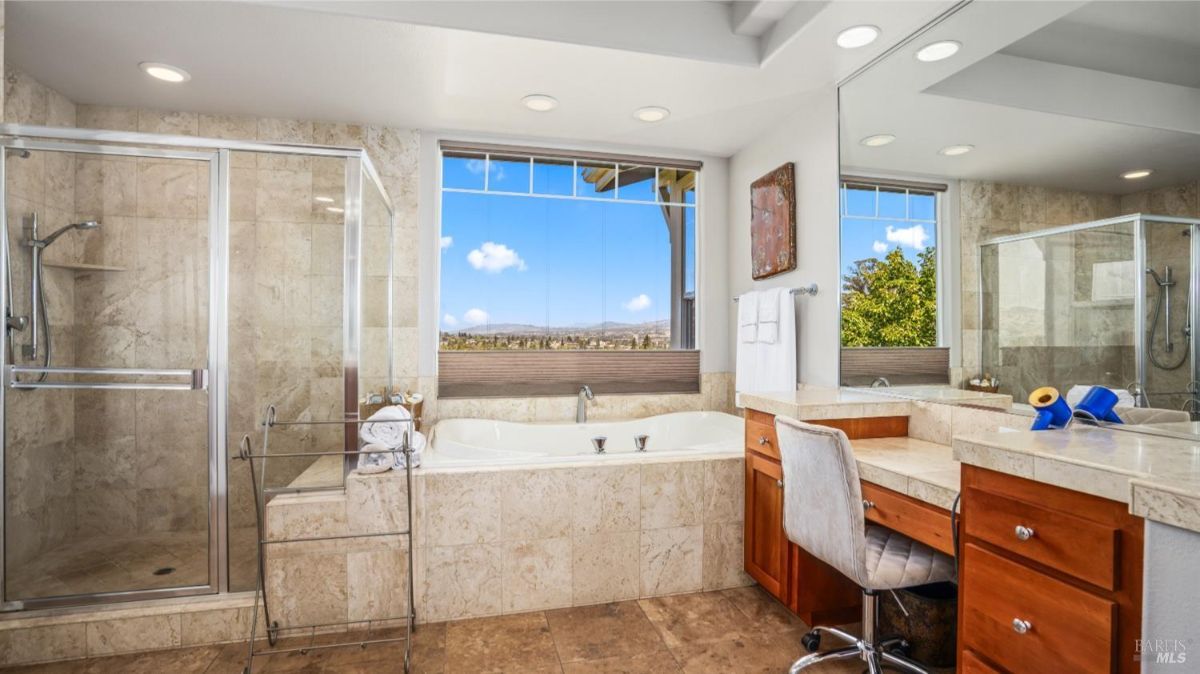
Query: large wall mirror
<point x="1021" y="196"/>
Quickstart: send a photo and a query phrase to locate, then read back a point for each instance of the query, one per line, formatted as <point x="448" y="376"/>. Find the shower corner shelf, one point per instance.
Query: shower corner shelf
<point x="83" y="266"/>
<point x="258" y="482"/>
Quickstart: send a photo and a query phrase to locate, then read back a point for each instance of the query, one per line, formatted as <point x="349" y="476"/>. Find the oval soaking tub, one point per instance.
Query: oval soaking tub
<point x="477" y="442"/>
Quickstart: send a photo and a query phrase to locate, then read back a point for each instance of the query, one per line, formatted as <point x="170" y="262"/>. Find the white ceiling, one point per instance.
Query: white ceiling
<point x="1066" y="94"/>
<point x="726" y="70"/>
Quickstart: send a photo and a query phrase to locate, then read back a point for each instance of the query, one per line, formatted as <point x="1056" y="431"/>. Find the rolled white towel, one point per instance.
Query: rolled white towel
<point x="374" y="462"/>
<point x="390" y="435"/>
<point x="417" y="441"/>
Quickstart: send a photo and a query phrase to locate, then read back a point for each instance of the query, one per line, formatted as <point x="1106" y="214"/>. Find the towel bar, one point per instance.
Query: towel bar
<point x="810" y="289"/>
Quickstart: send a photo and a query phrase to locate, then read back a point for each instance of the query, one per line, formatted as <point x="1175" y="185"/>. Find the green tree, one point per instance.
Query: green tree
<point x="891" y="302"/>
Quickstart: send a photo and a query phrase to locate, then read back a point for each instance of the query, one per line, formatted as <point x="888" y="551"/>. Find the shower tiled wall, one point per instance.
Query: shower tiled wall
<point x="990" y="209"/>
<point x="41" y="469"/>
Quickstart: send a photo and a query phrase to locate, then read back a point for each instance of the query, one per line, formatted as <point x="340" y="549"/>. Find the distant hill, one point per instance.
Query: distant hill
<point x="649" y="327"/>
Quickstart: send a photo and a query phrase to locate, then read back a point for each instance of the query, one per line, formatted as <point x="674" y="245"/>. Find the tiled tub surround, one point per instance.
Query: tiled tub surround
<point x="496" y="540"/>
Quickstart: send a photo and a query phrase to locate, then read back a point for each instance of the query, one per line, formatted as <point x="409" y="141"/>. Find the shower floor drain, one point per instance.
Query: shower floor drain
<point x="164" y="571"/>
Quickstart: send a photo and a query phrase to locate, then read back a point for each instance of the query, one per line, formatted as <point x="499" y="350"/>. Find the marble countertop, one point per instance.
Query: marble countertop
<point x="923" y="470"/>
<point x="948" y="395"/>
<point x="1159" y="477"/>
<point x="809" y="403"/>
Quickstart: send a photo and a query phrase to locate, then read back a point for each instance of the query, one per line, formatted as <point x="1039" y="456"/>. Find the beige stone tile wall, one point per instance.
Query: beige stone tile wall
<point x="492" y="542"/>
<point x="40" y="456"/>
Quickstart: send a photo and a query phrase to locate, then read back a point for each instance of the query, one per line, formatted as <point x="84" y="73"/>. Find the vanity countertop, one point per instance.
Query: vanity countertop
<point x="809" y="403"/>
<point x="926" y="471"/>
<point x="1159" y="477"/>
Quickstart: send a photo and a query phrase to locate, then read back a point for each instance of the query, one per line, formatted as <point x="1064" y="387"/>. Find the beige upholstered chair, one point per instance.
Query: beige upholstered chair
<point x="823" y="513"/>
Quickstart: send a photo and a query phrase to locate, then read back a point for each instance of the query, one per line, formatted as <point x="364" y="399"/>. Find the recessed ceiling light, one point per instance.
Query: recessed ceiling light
<point x="540" y="102"/>
<point x="857" y="36"/>
<point x="323" y="200"/>
<point x="652" y="113"/>
<point x="164" y="72"/>
<point x="878" y="140"/>
<point x="955" y="150"/>
<point x="937" y="51"/>
<point x="335" y="209"/>
<point x="1136" y="173"/>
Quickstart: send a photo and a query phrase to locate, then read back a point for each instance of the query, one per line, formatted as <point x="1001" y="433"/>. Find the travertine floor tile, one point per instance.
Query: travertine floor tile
<point x="618" y="630"/>
<point x="690" y="619"/>
<point x="512" y="643"/>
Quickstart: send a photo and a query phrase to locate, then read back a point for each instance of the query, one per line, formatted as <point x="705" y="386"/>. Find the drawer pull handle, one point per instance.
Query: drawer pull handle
<point x="779" y="483"/>
<point x="1021" y="626"/>
<point x="867" y="505"/>
<point x="762" y="440"/>
<point x="1023" y="532"/>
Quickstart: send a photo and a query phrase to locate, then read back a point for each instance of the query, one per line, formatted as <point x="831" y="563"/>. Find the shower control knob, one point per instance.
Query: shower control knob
<point x="599" y="442"/>
<point x="639" y="442"/>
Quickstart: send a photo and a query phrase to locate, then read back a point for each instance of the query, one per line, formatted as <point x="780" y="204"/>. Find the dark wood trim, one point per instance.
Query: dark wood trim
<point x="487" y="374"/>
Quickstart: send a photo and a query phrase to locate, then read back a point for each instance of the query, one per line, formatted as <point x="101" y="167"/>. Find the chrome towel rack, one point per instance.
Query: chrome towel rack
<point x="258" y="482"/>
<point x="810" y="289"/>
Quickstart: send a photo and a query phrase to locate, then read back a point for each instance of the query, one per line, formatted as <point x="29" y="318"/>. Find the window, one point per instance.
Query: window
<point x="544" y="252"/>
<point x="890" y="294"/>
<point x="889" y="257"/>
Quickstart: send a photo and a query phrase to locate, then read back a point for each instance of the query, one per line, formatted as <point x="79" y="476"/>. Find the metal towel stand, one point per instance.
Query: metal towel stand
<point x="810" y="289"/>
<point x="261" y="491"/>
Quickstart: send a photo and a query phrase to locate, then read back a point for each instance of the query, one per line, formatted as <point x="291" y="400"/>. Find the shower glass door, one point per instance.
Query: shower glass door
<point x="109" y="488"/>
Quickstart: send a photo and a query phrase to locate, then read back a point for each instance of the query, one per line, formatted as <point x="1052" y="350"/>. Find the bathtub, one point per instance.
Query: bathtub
<point x="474" y="442"/>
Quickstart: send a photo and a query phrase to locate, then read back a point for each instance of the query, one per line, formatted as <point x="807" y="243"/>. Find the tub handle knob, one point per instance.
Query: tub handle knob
<point x="598" y="442"/>
<point x="639" y="442"/>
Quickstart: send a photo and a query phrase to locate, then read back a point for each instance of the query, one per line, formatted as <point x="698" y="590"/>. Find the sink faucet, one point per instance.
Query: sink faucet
<point x="585" y="394"/>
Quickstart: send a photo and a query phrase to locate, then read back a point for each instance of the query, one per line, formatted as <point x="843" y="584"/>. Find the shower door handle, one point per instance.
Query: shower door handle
<point x="187" y="380"/>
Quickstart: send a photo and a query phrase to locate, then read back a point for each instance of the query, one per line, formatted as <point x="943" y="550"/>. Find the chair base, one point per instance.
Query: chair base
<point x="874" y="652"/>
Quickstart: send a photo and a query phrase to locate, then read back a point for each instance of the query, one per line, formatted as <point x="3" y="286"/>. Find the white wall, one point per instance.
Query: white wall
<point x="712" y="288"/>
<point x="810" y="139"/>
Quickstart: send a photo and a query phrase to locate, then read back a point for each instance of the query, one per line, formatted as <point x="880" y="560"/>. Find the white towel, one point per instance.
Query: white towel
<point x="763" y="367"/>
<point x="748" y="317"/>
<point x="769" y="306"/>
<point x="417" y="442"/>
<point x="389" y="435"/>
<point x="374" y="462"/>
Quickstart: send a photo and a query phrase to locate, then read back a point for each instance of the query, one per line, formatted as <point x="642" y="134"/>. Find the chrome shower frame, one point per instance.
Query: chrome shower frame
<point x="360" y="174"/>
<point x="1139" y="222"/>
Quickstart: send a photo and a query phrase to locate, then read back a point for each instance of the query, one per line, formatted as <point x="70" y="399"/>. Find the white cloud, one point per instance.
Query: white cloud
<point x="475" y="166"/>
<point x="449" y="321"/>
<point x="495" y="258"/>
<point x="879" y="247"/>
<point x="475" y="317"/>
<point x="447" y="241"/>
<point x="638" y="303"/>
<point x="913" y="237"/>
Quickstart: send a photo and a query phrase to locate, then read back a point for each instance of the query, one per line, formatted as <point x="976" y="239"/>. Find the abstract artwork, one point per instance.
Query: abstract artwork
<point x="773" y="222"/>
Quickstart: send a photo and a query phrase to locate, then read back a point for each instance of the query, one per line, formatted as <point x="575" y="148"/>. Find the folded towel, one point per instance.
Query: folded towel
<point x="748" y="317"/>
<point x="373" y="462"/>
<point x="390" y="435"/>
<point x="769" y="307"/>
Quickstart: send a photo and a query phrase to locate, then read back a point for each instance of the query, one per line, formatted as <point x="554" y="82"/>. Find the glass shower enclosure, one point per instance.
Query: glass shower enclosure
<point x="1110" y="303"/>
<point x="160" y="291"/>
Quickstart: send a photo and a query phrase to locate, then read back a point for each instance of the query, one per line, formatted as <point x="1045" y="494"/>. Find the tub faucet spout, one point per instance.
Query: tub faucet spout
<point x="585" y="394"/>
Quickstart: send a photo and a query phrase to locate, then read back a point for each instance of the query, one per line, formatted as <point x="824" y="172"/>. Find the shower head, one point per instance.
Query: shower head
<point x="86" y="224"/>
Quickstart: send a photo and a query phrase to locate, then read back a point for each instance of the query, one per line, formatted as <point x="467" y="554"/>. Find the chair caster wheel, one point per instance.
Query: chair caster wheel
<point x="902" y="648"/>
<point x="811" y="641"/>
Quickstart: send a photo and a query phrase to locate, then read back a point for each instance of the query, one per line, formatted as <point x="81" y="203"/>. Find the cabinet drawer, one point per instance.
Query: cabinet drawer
<point x="760" y="434"/>
<point x="1074" y="545"/>
<point x="1069" y="629"/>
<point x="971" y="664"/>
<point x="919" y="521"/>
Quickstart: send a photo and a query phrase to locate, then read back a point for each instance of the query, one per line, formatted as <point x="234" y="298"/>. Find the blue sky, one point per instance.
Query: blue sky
<point x="907" y="221"/>
<point x="546" y="261"/>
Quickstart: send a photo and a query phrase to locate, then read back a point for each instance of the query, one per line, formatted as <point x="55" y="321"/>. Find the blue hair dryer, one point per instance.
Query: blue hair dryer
<point x="1098" y="404"/>
<point x="1052" y="409"/>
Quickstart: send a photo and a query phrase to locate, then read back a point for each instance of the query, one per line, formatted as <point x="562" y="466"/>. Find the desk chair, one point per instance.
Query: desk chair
<point x="823" y="513"/>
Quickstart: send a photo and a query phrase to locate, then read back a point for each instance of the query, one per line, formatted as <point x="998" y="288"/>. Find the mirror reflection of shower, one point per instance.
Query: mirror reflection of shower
<point x="38" y="322"/>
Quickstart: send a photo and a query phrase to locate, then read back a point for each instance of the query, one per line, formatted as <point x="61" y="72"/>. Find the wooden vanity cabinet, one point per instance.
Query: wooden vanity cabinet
<point x="1050" y="580"/>
<point x="813" y="590"/>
